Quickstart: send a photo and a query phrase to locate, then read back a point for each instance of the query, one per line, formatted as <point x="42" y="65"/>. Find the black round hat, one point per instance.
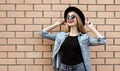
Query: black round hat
<point x="76" y="10"/>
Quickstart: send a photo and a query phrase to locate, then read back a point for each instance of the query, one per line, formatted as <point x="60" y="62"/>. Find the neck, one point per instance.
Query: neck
<point x="73" y="31"/>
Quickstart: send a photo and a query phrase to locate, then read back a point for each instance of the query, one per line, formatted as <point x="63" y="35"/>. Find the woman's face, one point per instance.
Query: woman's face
<point x="71" y="19"/>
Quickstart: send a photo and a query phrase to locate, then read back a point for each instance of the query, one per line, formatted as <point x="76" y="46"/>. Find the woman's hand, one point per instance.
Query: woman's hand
<point x="89" y="24"/>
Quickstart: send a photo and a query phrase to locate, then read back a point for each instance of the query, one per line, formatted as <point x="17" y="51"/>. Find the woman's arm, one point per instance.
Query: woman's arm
<point x="100" y="40"/>
<point x="44" y="33"/>
<point x="91" y="27"/>
<point x="59" y="22"/>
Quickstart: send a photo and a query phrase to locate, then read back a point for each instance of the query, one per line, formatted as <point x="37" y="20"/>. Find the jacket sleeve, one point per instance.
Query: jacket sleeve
<point x="47" y="35"/>
<point x="96" y="41"/>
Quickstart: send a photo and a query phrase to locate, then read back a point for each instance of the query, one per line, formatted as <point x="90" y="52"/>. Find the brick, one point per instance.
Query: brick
<point x="106" y="14"/>
<point x="112" y="61"/>
<point x="25" y="48"/>
<point x="112" y="21"/>
<point x="7" y="21"/>
<point x="42" y="7"/>
<point x="97" y="21"/>
<point x="15" y="14"/>
<point x="2" y="14"/>
<point x="7" y="48"/>
<point x="97" y="61"/>
<point x="7" y="7"/>
<point x="96" y="8"/>
<point x="104" y="54"/>
<point x="2" y="1"/>
<point x="48" y="68"/>
<point x="2" y="28"/>
<point x="112" y="34"/>
<point x="117" y="67"/>
<point x="24" y="21"/>
<point x="117" y="41"/>
<point x="7" y="61"/>
<point x="117" y="1"/>
<point x="93" y="55"/>
<point x="33" y="27"/>
<point x="7" y="34"/>
<point x="15" y="27"/>
<point x="90" y="14"/>
<point x="33" y="14"/>
<point x="3" y="68"/>
<point x="15" y="1"/>
<point x="36" y="35"/>
<point x="33" y="41"/>
<point x="24" y="7"/>
<point x="42" y="61"/>
<point x="33" y="1"/>
<point x="47" y="54"/>
<point x="69" y="1"/>
<point x="117" y="54"/>
<point x="33" y="54"/>
<point x="97" y="48"/>
<point x="47" y="41"/>
<point x="87" y="1"/>
<point x="106" y="28"/>
<point x="59" y="7"/>
<point x="42" y="48"/>
<point x="3" y="54"/>
<point x="81" y="7"/>
<point x="51" y="14"/>
<point x="105" y="2"/>
<point x="17" y="68"/>
<point x="16" y="41"/>
<point x="109" y="41"/>
<point x="104" y="68"/>
<point x="112" y="48"/>
<point x="16" y="54"/>
<point x="24" y="34"/>
<point x="24" y="61"/>
<point x="117" y="14"/>
<point x="42" y="21"/>
<point x="51" y="1"/>
<point x="94" y="68"/>
<point x="34" y="68"/>
<point x="112" y="8"/>
<point x="3" y="41"/>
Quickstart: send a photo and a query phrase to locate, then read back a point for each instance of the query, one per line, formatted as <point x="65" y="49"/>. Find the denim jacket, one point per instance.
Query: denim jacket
<point x="85" y="41"/>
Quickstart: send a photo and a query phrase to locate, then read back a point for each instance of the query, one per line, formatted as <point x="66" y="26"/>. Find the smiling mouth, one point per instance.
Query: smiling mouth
<point x="70" y="21"/>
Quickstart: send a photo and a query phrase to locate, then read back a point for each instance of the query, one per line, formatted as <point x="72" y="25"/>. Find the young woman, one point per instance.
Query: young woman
<point x="71" y="49"/>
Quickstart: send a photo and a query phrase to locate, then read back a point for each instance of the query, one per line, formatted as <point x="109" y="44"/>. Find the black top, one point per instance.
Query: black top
<point x="70" y="51"/>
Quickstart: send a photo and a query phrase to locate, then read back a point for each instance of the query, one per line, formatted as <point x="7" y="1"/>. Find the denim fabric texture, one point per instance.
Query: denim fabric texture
<point x="78" y="67"/>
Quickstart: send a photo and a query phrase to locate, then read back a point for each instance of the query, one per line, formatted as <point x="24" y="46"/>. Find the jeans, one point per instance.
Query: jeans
<point x="78" y="67"/>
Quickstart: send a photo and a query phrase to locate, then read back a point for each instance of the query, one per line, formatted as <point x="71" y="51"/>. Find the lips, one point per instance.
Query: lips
<point x="70" y="21"/>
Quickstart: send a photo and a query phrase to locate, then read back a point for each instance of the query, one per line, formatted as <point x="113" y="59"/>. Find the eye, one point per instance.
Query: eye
<point x="73" y="16"/>
<point x="67" y="17"/>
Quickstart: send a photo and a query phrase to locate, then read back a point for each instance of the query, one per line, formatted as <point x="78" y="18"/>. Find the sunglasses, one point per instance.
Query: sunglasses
<point x="70" y="17"/>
